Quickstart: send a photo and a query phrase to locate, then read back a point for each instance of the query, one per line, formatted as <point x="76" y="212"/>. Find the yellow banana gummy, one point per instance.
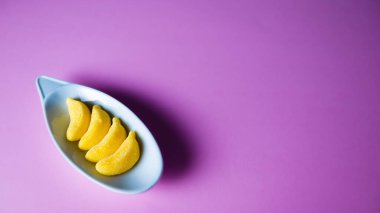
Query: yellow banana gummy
<point x="109" y="144"/>
<point x="79" y="119"/>
<point x="123" y="159"/>
<point x="99" y="125"/>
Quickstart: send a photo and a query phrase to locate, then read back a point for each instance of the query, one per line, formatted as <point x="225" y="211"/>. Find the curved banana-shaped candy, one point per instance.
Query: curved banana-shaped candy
<point x="99" y="126"/>
<point x="79" y="119"/>
<point x="123" y="159"/>
<point x="109" y="144"/>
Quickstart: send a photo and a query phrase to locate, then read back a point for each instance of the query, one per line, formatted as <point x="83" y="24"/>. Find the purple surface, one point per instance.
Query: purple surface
<point x="257" y="106"/>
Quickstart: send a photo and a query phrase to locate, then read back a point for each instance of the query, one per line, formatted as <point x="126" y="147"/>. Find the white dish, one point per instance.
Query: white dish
<point x="144" y="175"/>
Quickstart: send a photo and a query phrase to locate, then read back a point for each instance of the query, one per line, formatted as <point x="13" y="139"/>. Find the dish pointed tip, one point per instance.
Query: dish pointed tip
<point x="46" y="85"/>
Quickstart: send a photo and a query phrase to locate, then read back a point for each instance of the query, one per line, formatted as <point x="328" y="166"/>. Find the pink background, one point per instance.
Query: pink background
<point x="258" y="106"/>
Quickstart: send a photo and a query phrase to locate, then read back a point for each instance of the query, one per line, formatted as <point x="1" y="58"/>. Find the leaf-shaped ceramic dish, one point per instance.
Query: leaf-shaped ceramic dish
<point x="141" y="177"/>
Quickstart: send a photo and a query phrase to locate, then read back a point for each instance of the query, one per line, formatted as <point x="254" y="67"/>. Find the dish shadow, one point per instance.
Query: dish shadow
<point x="174" y="142"/>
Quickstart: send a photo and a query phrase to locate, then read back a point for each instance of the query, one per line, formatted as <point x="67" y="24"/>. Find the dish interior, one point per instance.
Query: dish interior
<point x="149" y="167"/>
